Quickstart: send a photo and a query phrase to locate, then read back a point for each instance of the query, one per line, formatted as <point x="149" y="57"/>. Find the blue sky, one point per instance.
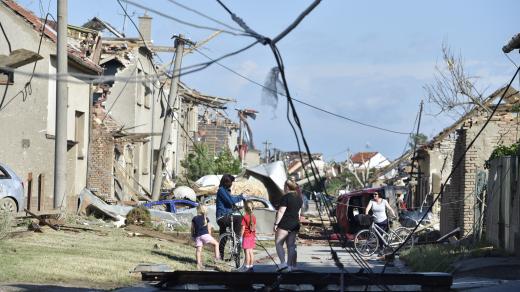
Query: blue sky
<point x="367" y="60"/>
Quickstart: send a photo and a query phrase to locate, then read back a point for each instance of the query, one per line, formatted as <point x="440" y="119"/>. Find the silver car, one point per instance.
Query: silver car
<point x="11" y="190"/>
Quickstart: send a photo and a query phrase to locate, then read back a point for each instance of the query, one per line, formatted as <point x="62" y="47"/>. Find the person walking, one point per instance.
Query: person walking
<point x="287" y="225"/>
<point x="249" y="236"/>
<point x="378" y="205"/>
<point x="201" y="234"/>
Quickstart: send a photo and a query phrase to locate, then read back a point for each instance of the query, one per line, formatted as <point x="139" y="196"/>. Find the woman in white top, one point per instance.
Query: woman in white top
<point x="378" y="206"/>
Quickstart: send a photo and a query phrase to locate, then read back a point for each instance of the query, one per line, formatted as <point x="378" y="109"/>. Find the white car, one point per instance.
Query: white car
<point x="11" y="190"/>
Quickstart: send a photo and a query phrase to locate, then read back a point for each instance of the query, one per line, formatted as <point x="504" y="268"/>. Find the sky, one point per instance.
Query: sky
<point x="366" y="60"/>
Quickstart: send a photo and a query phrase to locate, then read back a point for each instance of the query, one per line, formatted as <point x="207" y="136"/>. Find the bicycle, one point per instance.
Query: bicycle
<point x="230" y="247"/>
<point x="366" y="241"/>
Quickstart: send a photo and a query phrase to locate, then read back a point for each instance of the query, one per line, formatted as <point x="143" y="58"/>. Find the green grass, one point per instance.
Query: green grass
<point x="439" y="258"/>
<point x="87" y="259"/>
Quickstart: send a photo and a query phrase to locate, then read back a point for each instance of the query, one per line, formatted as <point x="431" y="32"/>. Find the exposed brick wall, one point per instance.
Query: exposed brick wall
<point x="101" y="166"/>
<point x="502" y="129"/>
<point x="451" y="204"/>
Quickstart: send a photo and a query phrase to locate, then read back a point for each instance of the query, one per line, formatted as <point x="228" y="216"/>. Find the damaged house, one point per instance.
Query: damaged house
<point x="27" y="114"/>
<point x="461" y="203"/>
<point x="128" y="117"/>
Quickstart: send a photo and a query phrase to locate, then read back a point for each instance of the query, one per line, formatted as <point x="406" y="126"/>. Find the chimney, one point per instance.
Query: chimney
<point x="145" y="27"/>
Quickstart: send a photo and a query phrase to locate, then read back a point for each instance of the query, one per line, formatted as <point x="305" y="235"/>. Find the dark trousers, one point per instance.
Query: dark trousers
<point x="384" y="226"/>
<point x="225" y="221"/>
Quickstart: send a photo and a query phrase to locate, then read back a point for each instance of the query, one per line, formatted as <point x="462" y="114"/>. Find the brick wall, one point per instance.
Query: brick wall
<point x="101" y="166"/>
<point x="458" y="201"/>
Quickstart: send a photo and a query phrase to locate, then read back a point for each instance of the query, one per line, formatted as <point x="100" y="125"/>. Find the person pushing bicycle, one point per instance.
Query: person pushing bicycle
<point x="378" y="205"/>
<point x="225" y="204"/>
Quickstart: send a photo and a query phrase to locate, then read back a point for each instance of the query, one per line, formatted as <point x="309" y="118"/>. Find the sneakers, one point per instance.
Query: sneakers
<point x="284" y="268"/>
<point x="245" y="269"/>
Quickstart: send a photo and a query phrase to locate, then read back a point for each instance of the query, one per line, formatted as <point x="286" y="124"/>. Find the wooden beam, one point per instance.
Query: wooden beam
<point x="19" y="58"/>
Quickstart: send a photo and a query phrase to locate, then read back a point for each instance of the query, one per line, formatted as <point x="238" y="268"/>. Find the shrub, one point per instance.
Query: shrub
<point x="139" y="215"/>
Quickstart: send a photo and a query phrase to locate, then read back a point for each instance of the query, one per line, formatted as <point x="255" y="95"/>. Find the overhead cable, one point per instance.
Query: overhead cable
<point x="204" y="15"/>
<point x="303" y="102"/>
<point x="146" y="8"/>
<point x="456" y="165"/>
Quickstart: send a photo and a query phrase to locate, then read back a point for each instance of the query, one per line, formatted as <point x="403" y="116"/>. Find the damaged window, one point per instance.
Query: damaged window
<point x="6" y="77"/>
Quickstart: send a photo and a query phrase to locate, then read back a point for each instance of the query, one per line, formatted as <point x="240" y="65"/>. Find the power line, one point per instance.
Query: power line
<point x="100" y="79"/>
<point x="204" y="15"/>
<point x="181" y="21"/>
<point x="456" y="165"/>
<point x="27" y="88"/>
<point x="303" y="102"/>
<point x="290" y="107"/>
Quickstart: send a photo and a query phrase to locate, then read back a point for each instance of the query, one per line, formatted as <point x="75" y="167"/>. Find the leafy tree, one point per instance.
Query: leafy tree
<point x="226" y="163"/>
<point x="201" y="163"/>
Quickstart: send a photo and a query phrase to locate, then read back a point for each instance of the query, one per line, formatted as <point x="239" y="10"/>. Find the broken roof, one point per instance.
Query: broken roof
<point x="99" y="25"/>
<point x="511" y="97"/>
<point x="204" y="99"/>
<point x="37" y="24"/>
<point x="362" y="157"/>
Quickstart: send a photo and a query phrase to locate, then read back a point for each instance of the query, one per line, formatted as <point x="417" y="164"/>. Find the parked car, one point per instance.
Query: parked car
<point x="258" y="202"/>
<point x="172" y="206"/>
<point x="11" y="190"/>
<point x="351" y="204"/>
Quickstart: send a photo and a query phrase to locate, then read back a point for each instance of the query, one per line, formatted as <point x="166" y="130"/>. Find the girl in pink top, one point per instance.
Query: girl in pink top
<point x="249" y="236"/>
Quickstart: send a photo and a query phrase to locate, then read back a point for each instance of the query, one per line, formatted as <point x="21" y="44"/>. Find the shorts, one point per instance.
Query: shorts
<point x="248" y="242"/>
<point x="203" y="239"/>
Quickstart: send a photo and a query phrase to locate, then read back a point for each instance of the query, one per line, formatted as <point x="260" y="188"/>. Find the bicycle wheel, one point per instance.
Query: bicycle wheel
<point x="400" y="235"/>
<point x="366" y="242"/>
<point x="230" y="250"/>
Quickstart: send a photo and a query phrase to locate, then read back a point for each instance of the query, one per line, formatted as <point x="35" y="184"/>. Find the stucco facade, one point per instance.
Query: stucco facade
<point x="27" y="117"/>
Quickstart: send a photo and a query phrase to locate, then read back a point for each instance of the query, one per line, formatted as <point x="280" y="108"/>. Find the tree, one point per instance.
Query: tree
<point x="201" y="163"/>
<point x="453" y="89"/>
<point x="226" y="163"/>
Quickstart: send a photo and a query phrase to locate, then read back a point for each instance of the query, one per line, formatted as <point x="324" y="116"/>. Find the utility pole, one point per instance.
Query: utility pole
<point x="168" y="119"/>
<point x="60" y="142"/>
<point x="414" y="201"/>
<point x="267" y="144"/>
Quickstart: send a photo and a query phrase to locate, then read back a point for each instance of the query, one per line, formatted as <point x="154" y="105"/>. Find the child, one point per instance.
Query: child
<point x="249" y="235"/>
<point x="201" y="233"/>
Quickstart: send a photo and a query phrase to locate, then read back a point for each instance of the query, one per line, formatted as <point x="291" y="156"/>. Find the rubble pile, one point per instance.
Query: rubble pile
<point x="249" y="186"/>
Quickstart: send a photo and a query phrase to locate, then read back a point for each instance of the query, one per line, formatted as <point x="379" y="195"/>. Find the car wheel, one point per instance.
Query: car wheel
<point x="8" y="204"/>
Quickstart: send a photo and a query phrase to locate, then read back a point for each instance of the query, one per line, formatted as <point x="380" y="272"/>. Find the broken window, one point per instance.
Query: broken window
<point x="80" y="133"/>
<point x="139" y="89"/>
<point x="6" y="77"/>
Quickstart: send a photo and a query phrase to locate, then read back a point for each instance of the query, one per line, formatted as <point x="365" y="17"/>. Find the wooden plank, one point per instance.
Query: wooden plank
<point x="29" y="190"/>
<point x="42" y="220"/>
<point x="19" y="58"/>
<point x="41" y="191"/>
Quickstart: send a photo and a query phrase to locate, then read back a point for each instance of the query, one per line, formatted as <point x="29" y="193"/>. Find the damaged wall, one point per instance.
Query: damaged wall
<point x="28" y="120"/>
<point x="459" y="198"/>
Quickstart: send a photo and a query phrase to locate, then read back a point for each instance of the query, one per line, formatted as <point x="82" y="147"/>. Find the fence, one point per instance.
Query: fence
<point x="503" y="204"/>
